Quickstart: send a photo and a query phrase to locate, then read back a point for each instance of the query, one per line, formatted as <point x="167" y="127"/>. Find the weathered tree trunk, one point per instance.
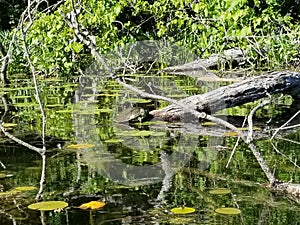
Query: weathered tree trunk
<point x="249" y="90"/>
<point x="231" y="57"/>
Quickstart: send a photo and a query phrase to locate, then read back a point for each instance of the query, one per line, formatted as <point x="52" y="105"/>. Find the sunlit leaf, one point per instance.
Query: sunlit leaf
<point x="3" y="175"/>
<point x="228" y="211"/>
<point x="9" y="125"/>
<point x="182" y="210"/>
<point x="92" y="205"/>
<point x="220" y="191"/>
<point x="11" y="192"/>
<point x="25" y="188"/>
<point x="48" y="205"/>
<point x="79" y="146"/>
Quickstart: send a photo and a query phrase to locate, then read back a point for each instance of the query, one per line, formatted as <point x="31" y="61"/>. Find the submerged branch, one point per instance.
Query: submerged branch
<point x="19" y="141"/>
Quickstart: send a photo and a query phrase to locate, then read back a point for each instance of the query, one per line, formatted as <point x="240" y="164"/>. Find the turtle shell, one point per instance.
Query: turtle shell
<point x="132" y="114"/>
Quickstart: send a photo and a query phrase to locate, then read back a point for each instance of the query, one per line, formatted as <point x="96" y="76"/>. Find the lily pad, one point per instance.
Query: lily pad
<point x="220" y="191"/>
<point x="79" y="146"/>
<point x="2" y="175"/>
<point x="48" y="205"/>
<point x="25" y="188"/>
<point x="228" y="211"/>
<point x="183" y="210"/>
<point x="113" y="141"/>
<point x="92" y="205"/>
<point x="231" y="134"/>
<point x="8" y="125"/>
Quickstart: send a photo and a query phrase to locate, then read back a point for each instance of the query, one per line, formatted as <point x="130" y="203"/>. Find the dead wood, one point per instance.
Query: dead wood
<point x="233" y="57"/>
<point x="236" y="94"/>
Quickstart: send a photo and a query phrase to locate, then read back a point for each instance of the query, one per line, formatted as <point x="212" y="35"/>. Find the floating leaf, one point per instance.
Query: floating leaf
<point x="246" y="128"/>
<point x="79" y="146"/>
<point x="48" y="205"/>
<point x="11" y="192"/>
<point x="182" y="210"/>
<point x="220" y="191"/>
<point x="228" y="211"/>
<point x="92" y="205"/>
<point x="9" y="125"/>
<point x="231" y="134"/>
<point x="25" y="188"/>
<point x="3" y="175"/>
<point x="113" y="141"/>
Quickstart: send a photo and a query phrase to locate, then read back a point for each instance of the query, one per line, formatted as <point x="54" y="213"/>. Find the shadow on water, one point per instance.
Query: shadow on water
<point x="141" y="170"/>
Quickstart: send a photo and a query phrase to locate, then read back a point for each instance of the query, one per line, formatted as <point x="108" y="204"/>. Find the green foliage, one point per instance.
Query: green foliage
<point x="268" y="30"/>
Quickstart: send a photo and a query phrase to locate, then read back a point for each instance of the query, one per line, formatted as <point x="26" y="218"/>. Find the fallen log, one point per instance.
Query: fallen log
<point x="233" y="57"/>
<point x="249" y="90"/>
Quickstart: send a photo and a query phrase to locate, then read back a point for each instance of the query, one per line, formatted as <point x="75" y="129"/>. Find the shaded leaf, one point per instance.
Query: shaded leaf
<point x="220" y="191"/>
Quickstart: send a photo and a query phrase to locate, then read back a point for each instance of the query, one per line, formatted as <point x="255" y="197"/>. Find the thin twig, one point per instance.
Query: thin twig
<point x="250" y="119"/>
<point x="19" y="141"/>
<point x="282" y="126"/>
<point x="235" y="146"/>
<point x="24" y="30"/>
<point x="285" y="156"/>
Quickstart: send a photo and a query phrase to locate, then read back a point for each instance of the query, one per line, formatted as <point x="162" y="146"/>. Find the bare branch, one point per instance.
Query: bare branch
<point x="19" y="141"/>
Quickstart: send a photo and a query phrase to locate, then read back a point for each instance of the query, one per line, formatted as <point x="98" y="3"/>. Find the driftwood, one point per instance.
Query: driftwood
<point x="249" y="90"/>
<point x="232" y="57"/>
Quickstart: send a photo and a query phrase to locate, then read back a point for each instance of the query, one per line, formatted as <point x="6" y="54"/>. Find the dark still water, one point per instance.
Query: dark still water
<point x="143" y="169"/>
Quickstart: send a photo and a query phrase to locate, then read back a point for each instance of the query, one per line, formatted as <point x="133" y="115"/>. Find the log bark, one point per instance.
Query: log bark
<point x="231" y="57"/>
<point x="249" y="90"/>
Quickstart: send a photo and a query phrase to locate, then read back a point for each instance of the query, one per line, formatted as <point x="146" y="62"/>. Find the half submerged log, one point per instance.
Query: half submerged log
<point x="249" y="90"/>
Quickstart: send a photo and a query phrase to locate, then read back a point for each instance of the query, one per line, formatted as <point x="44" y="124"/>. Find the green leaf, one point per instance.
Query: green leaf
<point x="48" y="205"/>
<point x="220" y="191"/>
<point x="183" y="210"/>
<point x="76" y="46"/>
<point x="228" y="211"/>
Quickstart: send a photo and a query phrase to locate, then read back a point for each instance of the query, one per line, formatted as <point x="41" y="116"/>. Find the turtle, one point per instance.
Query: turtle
<point x="131" y="115"/>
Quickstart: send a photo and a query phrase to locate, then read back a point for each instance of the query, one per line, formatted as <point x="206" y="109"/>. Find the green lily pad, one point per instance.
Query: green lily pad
<point x="48" y="205"/>
<point x="183" y="210"/>
<point x="220" y="191"/>
<point x="65" y="111"/>
<point x="25" y="188"/>
<point x="113" y="141"/>
<point x="9" y="193"/>
<point x="3" y="175"/>
<point x="228" y="211"/>
<point x="79" y="146"/>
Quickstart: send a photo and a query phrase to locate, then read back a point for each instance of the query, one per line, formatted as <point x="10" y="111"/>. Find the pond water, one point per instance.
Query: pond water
<point x="141" y="170"/>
